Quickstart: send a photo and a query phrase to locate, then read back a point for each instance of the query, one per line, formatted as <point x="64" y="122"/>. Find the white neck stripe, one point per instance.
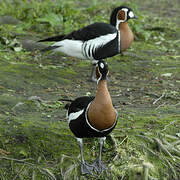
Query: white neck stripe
<point x="119" y="41"/>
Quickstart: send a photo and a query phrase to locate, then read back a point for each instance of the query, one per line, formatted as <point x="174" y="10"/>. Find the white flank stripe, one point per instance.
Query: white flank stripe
<point x="73" y="116"/>
<point x="69" y="47"/>
<point x="93" y="44"/>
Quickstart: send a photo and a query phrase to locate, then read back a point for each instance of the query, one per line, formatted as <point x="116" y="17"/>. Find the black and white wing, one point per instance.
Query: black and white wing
<point x="96" y="41"/>
<point x="77" y="107"/>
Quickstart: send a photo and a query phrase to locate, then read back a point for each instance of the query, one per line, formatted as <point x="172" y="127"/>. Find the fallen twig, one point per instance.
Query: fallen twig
<point x="123" y="140"/>
<point x="170" y="148"/>
<point x="3" y="152"/>
<point x="173" y="150"/>
<point x="170" y="136"/>
<point x="17" y="105"/>
<point x="17" y="160"/>
<point x="168" y="125"/>
<point x="163" y="94"/>
<point x="163" y="148"/>
<point x="161" y="105"/>
<point x="145" y="137"/>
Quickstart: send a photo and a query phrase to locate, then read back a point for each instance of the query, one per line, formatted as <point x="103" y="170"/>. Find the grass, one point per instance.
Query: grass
<point x="35" y="141"/>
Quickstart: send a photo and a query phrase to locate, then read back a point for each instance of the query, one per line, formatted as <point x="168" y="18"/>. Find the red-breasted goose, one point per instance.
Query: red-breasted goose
<point x="93" y="117"/>
<point x="97" y="41"/>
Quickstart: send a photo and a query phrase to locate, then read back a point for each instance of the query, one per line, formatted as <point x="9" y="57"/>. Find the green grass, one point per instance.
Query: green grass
<point x="35" y="141"/>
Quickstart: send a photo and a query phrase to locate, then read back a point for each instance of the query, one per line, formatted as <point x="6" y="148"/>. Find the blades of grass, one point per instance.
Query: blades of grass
<point x="171" y="167"/>
<point x="16" y="176"/>
<point x="49" y="173"/>
<point x="33" y="175"/>
<point x="1" y="175"/>
<point x="68" y="171"/>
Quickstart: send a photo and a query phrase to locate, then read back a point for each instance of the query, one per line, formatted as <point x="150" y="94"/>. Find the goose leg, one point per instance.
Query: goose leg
<point x="93" y="71"/>
<point x="98" y="164"/>
<point x="85" y="168"/>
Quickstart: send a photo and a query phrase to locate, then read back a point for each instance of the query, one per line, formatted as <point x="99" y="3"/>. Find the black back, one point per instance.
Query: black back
<point x="93" y="31"/>
<point x="84" y="34"/>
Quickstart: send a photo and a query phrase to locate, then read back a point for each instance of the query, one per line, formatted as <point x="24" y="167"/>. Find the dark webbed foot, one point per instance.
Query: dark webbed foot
<point x="86" y="168"/>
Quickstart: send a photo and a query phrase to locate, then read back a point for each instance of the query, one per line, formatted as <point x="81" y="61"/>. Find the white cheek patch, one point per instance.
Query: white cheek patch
<point x="131" y="14"/>
<point x="75" y="115"/>
<point x="118" y="22"/>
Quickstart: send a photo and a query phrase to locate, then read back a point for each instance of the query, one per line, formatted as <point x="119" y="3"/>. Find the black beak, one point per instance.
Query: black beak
<point x="135" y="17"/>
